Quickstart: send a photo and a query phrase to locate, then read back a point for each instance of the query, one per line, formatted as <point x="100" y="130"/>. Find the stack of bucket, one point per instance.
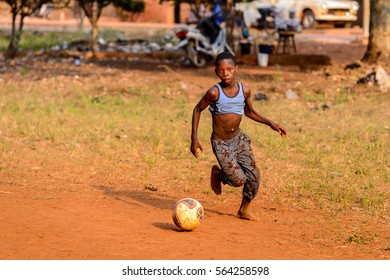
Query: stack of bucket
<point x="263" y="54"/>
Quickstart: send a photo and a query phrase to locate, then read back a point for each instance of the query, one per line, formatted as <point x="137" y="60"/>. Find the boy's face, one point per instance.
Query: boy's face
<point x="226" y="70"/>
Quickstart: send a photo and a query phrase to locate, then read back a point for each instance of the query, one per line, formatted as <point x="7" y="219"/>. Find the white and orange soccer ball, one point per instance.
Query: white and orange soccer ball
<point x="187" y="213"/>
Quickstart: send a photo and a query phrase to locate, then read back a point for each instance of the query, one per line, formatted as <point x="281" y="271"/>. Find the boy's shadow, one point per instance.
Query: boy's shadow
<point x="138" y="196"/>
<point x="145" y="197"/>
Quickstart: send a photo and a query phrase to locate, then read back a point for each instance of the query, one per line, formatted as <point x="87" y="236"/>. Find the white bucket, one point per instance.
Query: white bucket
<point x="262" y="59"/>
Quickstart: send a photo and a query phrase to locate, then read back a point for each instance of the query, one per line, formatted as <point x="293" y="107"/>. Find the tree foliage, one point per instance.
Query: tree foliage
<point x="93" y="10"/>
<point x="130" y="6"/>
<point x="22" y="9"/>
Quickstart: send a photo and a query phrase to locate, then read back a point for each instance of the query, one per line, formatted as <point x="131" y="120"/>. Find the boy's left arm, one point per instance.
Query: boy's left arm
<point x="252" y="114"/>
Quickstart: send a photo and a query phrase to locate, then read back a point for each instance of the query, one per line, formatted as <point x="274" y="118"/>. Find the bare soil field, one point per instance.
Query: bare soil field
<point x="60" y="209"/>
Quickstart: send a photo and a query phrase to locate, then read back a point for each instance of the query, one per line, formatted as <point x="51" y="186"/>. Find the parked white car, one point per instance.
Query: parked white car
<point x="310" y="12"/>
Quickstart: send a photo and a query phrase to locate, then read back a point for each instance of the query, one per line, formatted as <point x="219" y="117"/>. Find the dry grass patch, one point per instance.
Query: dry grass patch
<point x="336" y="158"/>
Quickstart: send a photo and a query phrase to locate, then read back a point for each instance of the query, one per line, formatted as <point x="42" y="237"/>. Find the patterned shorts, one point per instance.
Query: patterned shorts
<point x="236" y="159"/>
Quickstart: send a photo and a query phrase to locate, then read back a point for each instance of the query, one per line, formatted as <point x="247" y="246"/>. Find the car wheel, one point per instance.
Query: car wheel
<point x="308" y="19"/>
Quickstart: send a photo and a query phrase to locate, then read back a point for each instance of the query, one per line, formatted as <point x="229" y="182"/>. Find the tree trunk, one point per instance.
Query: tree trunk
<point x="230" y="24"/>
<point x="81" y="16"/>
<point x="16" y="33"/>
<point x="93" y="12"/>
<point x="95" y="30"/>
<point x="378" y="48"/>
<point x="177" y="11"/>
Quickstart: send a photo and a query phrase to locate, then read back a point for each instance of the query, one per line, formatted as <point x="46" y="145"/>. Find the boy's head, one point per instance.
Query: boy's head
<point x="225" y="67"/>
<point x="225" y="55"/>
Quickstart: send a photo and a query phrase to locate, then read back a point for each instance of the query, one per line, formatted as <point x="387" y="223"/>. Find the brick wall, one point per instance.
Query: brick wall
<point x="154" y="12"/>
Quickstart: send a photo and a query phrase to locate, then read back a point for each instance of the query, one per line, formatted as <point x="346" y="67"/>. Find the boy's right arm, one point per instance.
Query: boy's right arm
<point x="203" y="103"/>
<point x="195" y="145"/>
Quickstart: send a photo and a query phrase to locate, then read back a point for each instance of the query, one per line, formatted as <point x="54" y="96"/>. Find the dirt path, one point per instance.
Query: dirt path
<point x="106" y="219"/>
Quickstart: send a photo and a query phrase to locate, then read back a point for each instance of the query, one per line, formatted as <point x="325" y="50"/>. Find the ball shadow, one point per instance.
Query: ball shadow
<point x="167" y="226"/>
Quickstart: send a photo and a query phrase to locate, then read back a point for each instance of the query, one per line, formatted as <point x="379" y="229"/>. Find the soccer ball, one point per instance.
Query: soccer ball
<point x="187" y="213"/>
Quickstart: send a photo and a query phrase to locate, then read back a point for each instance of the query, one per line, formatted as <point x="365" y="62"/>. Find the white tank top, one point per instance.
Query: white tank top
<point x="228" y="105"/>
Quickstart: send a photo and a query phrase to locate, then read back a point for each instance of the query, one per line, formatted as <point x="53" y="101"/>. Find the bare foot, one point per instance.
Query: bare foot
<point x="246" y="216"/>
<point x="215" y="181"/>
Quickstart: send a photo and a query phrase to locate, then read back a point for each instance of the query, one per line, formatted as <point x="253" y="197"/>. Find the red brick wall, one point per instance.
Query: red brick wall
<point x="161" y="13"/>
<point x="154" y="12"/>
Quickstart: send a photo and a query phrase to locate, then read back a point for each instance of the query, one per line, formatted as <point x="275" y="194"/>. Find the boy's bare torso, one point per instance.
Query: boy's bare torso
<point x="225" y="126"/>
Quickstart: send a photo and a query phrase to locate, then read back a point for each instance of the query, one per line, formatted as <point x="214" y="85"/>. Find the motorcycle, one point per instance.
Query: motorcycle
<point x="203" y="43"/>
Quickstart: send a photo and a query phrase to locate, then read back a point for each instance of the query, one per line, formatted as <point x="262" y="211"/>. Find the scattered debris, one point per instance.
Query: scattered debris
<point x="323" y="107"/>
<point x="80" y="46"/>
<point x="370" y="78"/>
<point x="353" y="65"/>
<point x="261" y="96"/>
<point x="97" y="100"/>
<point x="336" y="174"/>
<point x="151" y="188"/>
<point x="123" y="46"/>
<point x="377" y="76"/>
<point x="382" y="77"/>
<point x="291" y="95"/>
<point x="77" y="60"/>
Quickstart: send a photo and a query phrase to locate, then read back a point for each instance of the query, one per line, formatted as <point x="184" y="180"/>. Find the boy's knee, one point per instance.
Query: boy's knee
<point x="238" y="181"/>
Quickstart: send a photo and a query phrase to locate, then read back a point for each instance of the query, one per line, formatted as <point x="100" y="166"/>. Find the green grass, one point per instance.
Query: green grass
<point x="36" y="40"/>
<point x="46" y="40"/>
<point x="337" y="159"/>
<point x="361" y="239"/>
<point x="106" y="124"/>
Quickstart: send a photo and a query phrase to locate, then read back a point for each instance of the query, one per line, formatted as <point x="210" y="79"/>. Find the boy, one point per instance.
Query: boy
<point x="228" y="101"/>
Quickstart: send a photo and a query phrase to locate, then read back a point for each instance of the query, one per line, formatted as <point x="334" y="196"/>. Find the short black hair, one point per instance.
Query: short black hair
<point x="225" y="55"/>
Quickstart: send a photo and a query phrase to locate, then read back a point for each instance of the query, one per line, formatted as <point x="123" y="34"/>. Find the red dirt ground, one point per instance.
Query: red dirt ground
<point x="57" y="210"/>
<point x="63" y="212"/>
